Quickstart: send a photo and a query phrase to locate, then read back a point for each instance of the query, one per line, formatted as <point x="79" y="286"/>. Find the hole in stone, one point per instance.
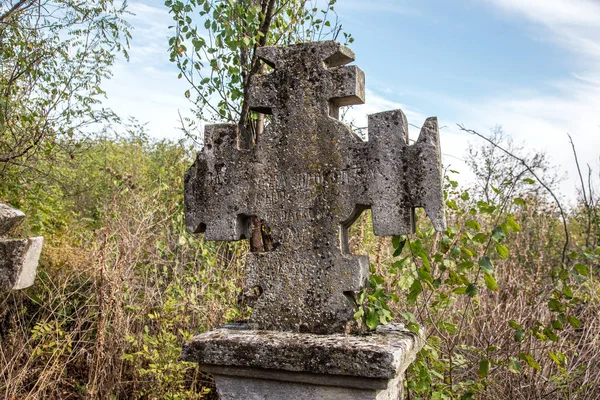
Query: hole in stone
<point x="334" y="110"/>
<point x="243" y="226"/>
<point x="267" y="69"/>
<point x="258" y="233"/>
<point x="250" y="295"/>
<point x="353" y="230"/>
<point x="257" y="291"/>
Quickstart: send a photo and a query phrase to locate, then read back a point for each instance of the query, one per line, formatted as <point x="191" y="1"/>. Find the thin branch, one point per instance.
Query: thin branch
<point x="19" y="5"/>
<point x="586" y="202"/>
<point x="544" y="185"/>
<point x="264" y="30"/>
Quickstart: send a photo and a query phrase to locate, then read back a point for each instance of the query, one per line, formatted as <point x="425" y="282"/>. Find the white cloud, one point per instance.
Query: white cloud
<point x="564" y="12"/>
<point x="375" y="103"/>
<point x="147" y="87"/>
<point x="540" y="119"/>
<point x="574" y="24"/>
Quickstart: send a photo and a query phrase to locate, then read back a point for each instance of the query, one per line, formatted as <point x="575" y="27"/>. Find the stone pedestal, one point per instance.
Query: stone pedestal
<point x="18" y="257"/>
<point x="269" y="365"/>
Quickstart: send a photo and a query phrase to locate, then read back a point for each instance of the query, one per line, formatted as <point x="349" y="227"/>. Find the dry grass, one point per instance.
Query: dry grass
<point x="66" y="337"/>
<point x="112" y="306"/>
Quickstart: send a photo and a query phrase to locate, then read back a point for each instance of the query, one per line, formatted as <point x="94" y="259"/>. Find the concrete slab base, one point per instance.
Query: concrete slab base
<point x="270" y="365"/>
<point x="260" y="384"/>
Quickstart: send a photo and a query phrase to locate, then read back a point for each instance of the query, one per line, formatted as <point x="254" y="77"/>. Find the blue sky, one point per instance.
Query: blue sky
<point x="532" y="66"/>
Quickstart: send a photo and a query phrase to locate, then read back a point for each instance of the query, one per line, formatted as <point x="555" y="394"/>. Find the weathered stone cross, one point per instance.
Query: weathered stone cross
<point x="308" y="178"/>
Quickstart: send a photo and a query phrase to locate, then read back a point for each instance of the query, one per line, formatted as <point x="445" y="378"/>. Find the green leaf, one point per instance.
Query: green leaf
<point x="582" y="269"/>
<point x="519" y="335"/>
<point x="502" y="250"/>
<point x="514" y="366"/>
<point x="556" y="324"/>
<point x="554" y="357"/>
<point x="484" y="368"/>
<point x="555" y="305"/>
<point x="529" y="180"/>
<point x="460" y="290"/>
<point x="471" y="290"/>
<point x="451" y="204"/>
<point x="574" y="321"/>
<point x="558" y="357"/>
<point x="480" y="238"/>
<point x="512" y="224"/>
<point x="490" y="282"/>
<point x="528" y="358"/>
<point x="514" y="324"/>
<point x="372" y="320"/>
<point x="409" y="317"/>
<point x="399" y="246"/>
<point x="473" y="225"/>
<point x="498" y="234"/>
<point x="486" y="265"/>
<point x="415" y="289"/>
<point x="448" y="327"/>
<point x="424" y="274"/>
<point x="519" y="201"/>
<point x="359" y="314"/>
<point x="550" y="334"/>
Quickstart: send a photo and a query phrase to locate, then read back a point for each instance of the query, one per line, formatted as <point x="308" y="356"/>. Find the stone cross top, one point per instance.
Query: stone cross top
<point x="308" y="178"/>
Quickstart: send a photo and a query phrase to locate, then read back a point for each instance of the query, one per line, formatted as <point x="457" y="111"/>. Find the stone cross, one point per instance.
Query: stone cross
<point x="18" y="257"/>
<point x="308" y="178"/>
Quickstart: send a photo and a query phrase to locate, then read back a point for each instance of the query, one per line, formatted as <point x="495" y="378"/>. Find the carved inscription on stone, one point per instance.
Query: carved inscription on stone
<point x="308" y="177"/>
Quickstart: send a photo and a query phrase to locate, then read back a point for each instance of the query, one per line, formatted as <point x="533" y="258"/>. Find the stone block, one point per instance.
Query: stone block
<point x="18" y="257"/>
<point x="18" y="261"/>
<point x="9" y="218"/>
<point x="250" y="364"/>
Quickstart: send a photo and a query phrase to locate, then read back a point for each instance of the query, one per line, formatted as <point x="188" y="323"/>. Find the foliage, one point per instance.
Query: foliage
<point x="215" y="42"/>
<point x="493" y="183"/>
<point x="55" y="54"/>
<point x="501" y="312"/>
<point x="121" y="284"/>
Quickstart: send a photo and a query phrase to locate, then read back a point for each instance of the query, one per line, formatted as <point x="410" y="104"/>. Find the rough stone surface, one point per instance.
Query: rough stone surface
<point x="18" y="261"/>
<point x="308" y="178"/>
<point x="18" y="257"/>
<point x="9" y="218"/>
<point x="299" y="377"/>
<point x="381" y="355"/>
<point x="236" y="388"/>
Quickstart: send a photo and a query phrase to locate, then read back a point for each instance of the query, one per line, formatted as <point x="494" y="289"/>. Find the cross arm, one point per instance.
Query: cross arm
<point x="217" y="186"/>
<point x="409" y="176"/>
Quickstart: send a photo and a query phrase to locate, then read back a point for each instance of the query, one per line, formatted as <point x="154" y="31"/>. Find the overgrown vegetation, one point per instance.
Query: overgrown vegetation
<point x="121" y="286"/>
<point x="509" y="307"/>
<point x="508" y="310"/>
